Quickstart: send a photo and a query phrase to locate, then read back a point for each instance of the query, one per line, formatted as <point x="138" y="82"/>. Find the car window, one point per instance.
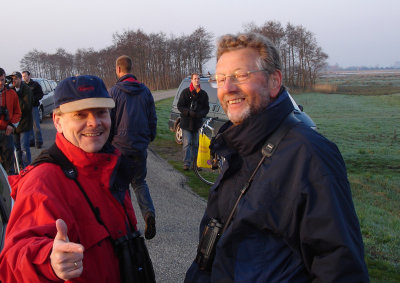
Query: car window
<point x="48" y="87"/>
<point x="211" y="92"/>
<point x="53" y="84"/>
<point x="45" y="87"/>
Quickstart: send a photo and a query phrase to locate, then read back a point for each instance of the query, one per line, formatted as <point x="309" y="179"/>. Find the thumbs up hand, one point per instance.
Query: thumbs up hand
<point x="66" y="257"/>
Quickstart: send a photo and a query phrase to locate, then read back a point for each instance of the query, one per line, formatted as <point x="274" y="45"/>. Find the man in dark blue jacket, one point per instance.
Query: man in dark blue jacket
<point x="134" y="123"/>
<point x="296" y="222"/>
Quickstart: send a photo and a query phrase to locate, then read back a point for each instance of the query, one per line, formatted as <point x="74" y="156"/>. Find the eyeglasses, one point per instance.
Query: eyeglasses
<point x="238" y="77"/>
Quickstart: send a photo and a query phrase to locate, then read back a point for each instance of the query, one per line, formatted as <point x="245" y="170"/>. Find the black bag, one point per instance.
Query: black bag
<point x="134" y="259"/>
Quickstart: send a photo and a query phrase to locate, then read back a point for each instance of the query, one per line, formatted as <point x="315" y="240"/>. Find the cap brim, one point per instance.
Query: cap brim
<point x="87" y="103"/>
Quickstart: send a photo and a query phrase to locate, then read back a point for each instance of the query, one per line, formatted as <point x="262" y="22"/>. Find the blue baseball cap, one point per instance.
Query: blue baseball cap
<point x="82" y="92"/>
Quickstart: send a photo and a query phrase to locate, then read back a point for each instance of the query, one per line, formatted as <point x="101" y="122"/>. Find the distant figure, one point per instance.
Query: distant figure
<point x="10" y="114"/>
<point x="134" y="127"/>
<point x="294" y="220"/>
<point x="65" y="223"/>
<point x="21" y="135"/>
<point x="35" y="135"/>
<point x="193" y="105"/>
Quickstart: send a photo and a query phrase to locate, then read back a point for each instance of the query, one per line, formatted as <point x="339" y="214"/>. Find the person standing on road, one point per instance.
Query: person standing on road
<point x="10" y="114"/>
<point x="193" y="105"/>
<point x="37" y="92"/>
<point x="22" y="132"/>
<point x="54" y="234"/>
<point x="134" y="123"/>
<point x="296" y="222"/>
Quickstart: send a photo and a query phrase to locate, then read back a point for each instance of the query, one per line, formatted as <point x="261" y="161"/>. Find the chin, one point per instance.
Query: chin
<point x="238" y="118"/>
<point x="92" y="148"/>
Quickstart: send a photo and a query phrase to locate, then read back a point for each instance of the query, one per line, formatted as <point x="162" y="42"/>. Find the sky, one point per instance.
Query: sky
<point x="351" y="32"/>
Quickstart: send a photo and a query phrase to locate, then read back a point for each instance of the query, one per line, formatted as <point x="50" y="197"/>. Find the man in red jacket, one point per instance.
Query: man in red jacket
<point x="10" y="115"/>
<point x="59" y="230"/>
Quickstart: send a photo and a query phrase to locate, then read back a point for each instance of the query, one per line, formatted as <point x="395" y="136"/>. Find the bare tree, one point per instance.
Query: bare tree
<point x="201" y="48"/>
<point x="159" y="61"/>
<point x="302" y="58"/>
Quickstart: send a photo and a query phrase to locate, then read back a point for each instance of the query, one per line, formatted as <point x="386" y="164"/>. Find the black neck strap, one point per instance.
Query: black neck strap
<point x="70" y="172"/>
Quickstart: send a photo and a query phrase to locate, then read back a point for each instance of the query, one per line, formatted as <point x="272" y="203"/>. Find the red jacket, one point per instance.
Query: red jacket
<point x="9" y="98"/>
<point x="44" y="194"/>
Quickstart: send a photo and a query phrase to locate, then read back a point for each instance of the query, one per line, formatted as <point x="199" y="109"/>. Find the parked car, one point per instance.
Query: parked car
<point x="46" y="106"/>
<point x="216" y="110"/>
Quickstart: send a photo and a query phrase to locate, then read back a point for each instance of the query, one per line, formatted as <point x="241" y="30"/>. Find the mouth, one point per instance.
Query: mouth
<point x="92" y="134"/>
<point x="235" y="101"/>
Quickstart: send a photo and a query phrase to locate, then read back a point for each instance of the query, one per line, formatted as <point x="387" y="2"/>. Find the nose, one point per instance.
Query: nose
<point x="229" y="84"/>
<point x="93" y="120"/>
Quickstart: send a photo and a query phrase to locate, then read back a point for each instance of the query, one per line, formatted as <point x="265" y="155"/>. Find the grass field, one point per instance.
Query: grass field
<point x="368" y="82"/>
<point x="367" y="132"/>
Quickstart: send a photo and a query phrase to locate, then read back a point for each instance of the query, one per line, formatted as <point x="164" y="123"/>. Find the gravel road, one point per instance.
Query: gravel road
<point x="178" y="211"/>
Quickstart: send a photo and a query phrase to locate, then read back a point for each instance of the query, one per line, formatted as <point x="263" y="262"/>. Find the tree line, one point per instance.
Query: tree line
<point x="162" y="61"/>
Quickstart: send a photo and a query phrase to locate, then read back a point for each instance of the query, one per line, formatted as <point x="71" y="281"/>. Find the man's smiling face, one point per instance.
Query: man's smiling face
<point x="241" y="100"/>
<point x="87" y="129"/>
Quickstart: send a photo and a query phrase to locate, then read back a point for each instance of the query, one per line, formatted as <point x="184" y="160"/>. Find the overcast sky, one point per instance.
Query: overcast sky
<point x="351" y="32"/>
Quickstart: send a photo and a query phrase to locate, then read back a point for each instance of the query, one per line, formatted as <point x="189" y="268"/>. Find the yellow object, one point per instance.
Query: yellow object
<point x="203" y="154"/>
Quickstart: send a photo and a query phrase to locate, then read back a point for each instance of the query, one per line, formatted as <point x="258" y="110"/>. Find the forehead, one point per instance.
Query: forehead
<point x="91" y="110"/>
<point x="240" y="59"/>
<point x="195" y="77"/>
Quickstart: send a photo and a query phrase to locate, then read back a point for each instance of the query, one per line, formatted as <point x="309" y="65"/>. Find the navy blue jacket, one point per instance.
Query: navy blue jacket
<point x="297" y="221"/>
<point x="134" y="119"/>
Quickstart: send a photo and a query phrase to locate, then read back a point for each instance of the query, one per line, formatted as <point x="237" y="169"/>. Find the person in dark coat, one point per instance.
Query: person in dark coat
<point x="193" y="105"/>
<point x="37" y="94"/>
<point x="22" y="132"/>
<point x="296" y="222"/>
<point x="134" y="125"/>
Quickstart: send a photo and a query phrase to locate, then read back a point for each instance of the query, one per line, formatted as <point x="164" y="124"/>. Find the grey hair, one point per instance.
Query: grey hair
<point x="269" y="56"/>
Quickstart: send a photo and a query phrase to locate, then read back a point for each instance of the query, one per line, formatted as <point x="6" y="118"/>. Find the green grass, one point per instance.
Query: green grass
<point x="367" y="131"/>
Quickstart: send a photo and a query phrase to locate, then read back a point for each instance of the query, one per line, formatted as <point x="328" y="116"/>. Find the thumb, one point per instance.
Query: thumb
<point x="62" y="231"/>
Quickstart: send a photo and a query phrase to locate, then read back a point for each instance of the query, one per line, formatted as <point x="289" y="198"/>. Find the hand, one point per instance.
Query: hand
<point x="9" y="130"/>
<point x="66" y="257"/>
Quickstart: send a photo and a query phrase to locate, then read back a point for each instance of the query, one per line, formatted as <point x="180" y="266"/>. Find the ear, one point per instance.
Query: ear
<point x="275" y="83"/>
<point x="57" y="122"/>
<point x="118" y="70"/>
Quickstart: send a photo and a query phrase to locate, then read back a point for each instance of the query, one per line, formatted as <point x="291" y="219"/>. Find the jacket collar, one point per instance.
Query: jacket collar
<point x="247" y="137"/>
<point x="82" y="159"/>
<point x="129" y="78"/>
